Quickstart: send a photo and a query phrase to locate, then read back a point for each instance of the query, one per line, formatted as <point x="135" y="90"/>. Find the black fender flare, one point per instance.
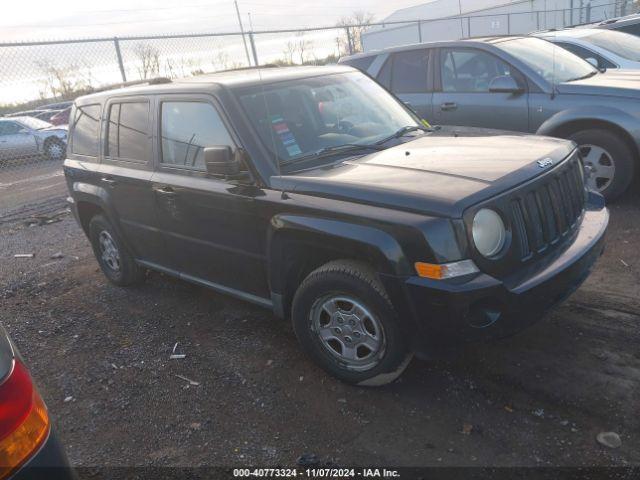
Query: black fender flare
<point x="380" y="248"/>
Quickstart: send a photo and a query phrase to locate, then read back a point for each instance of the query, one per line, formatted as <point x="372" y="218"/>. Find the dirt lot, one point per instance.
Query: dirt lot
<point x="539" y="398"/>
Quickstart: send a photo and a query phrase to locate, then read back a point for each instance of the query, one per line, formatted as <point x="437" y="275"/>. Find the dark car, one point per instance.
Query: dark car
<point x="29" y="449"/>
<point x="313" y="192"/>
<point x="521" y="84"/>
<point x="627" y="24"/>
<point x="61" y="117"/>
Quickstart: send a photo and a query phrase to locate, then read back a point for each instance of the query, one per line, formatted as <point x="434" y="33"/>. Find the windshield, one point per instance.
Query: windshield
<point x="298" y="118"/>
<point x="33" y="123"/>
<point x="623" y="44"/>
<point x="552" y="62"/>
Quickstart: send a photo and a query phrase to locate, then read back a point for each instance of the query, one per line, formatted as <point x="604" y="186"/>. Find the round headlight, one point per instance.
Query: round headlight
<point x="488" y="231"/>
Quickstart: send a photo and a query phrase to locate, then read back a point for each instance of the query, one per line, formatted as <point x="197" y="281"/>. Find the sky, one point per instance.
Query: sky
<point x="70" y="19"/>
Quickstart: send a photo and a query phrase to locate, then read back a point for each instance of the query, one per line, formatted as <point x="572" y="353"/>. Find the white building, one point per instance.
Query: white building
<point x="454" y="19"/>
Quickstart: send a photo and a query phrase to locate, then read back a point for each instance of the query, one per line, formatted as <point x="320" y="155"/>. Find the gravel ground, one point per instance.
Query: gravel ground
<point x="539" y="398"/>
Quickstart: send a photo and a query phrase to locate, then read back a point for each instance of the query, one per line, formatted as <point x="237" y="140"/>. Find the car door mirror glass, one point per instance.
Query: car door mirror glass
<point x="593" y="61"/>
<point x="220" y="160"/>
<point x="504" y="84"/>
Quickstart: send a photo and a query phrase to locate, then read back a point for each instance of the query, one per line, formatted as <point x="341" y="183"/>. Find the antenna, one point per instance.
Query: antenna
<point x="266" y="109"/>
<point x="553" y="70"/>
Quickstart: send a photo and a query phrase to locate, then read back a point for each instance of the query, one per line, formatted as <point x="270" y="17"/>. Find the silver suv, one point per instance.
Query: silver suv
<point x="522" y="84"/>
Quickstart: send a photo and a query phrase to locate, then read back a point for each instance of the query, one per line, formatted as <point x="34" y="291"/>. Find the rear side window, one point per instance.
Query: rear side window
<point x="9" y="128"/>
<point x="633" y="29"/>
<point x="128" y="131"/>
<point x="384" y="77"/>
<point x="187" y="129"/>
<point x="363" y="63"/>
<point x="409" y="74"/>
<point x="85" y="130"/>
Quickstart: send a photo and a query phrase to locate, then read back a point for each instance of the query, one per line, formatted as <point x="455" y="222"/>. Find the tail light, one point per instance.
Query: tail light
<point x="24" y="422"/>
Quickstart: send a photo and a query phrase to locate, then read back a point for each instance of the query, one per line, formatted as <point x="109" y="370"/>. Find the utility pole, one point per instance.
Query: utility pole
<point x="244" y="40"/>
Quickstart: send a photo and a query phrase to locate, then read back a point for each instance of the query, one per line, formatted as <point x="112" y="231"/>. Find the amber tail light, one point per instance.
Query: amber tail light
<point x="24" y="422"/>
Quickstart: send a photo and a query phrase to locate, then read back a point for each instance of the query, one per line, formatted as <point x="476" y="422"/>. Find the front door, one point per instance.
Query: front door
<point x="464" y="97"/>
<point x="210" y="224"/>
<point x="16" y="141"/>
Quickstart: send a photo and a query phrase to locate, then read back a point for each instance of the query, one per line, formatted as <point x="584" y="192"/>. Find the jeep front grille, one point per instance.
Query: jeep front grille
<point x="550" y="210"/>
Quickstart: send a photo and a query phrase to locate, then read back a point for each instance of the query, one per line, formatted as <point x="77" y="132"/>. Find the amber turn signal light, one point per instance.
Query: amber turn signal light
<point x="24" y="421"/>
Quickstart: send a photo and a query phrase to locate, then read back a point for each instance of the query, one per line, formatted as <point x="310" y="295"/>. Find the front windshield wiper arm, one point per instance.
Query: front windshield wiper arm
<point x="345" y="147"/>
<point x="403" y="131"/>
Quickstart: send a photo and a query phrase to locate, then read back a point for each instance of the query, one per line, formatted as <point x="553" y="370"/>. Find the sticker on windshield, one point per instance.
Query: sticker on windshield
<point x="286" y="137"/>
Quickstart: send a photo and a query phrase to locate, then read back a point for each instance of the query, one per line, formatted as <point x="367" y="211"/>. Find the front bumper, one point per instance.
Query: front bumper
<point x="448" y="313"/>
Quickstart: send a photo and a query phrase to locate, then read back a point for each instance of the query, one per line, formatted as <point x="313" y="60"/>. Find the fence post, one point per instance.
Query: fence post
<point x="116" y="44"/>
<point x="589" y="12"/>
<point x="537" y="19"/>
<point x="253" y="49"/>
<point x="508" y="24"/>
<point x="468" y="27"/>
<point x="419" y="31"/>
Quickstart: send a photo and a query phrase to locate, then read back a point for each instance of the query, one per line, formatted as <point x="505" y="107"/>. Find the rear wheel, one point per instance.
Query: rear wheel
<point x="609" y="160"/>
<point x="345" y="321"/>
<point x="116" y="262"/>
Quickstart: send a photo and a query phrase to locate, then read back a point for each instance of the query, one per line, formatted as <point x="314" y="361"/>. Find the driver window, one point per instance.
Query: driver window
<point x="470" y="71"/>
<point x="9" y="128"/>
<point x="187" y="129"/>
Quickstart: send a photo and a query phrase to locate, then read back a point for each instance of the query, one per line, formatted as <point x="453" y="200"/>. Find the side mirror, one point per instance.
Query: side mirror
<point x="24" y="130"/>
<point x="220" y="160"/>
<point x="593" y="62"/>
<point x="505" y="84"/>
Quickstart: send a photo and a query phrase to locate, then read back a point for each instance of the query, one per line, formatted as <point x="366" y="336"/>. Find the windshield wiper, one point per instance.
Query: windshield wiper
<point x="403" y="131"/>
<point x="325" y="151"/>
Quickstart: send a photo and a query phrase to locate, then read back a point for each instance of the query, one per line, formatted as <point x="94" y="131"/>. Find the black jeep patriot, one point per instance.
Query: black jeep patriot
<point x="315" y="193"/>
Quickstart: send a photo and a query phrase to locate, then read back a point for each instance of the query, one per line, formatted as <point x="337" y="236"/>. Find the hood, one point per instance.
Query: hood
<point x="613" y="83"/>
<point x="436" y="174"/>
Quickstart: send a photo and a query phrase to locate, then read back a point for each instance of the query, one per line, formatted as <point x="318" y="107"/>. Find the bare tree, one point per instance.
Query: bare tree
<point x="63" y="81"/>
<point x="355" y="24"/>
<point x="289" y="52"/>
<point x="302" y="47"/>
<point x="149" y="58"/>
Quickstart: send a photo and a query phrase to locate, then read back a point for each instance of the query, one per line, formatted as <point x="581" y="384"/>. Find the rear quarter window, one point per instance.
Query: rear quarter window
<point x="84" y="131"/>
<point x="361" y="64"/>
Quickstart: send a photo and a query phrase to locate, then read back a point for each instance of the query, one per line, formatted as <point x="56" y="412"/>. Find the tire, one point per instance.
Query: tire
<point x="116" y="262"/>
<point x="601" y="150"/>
<point x="54" y="149"/>
<point x="368" y="348"/>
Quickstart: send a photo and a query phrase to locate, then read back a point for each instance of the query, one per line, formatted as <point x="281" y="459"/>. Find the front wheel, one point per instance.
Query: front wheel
<point x="54" y="149"/>
<point x="345" y="321"/>
<point x="609" y="160"/>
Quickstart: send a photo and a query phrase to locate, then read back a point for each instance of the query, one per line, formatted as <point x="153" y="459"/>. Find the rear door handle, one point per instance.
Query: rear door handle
<point x="109" y="181"/>
<point x="447" y="106"/>
<point x="165" y="190"/>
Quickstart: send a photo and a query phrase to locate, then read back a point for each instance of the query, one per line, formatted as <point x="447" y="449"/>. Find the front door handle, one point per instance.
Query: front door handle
<point x="109" y="181"/>
<point x="448" y="106"/>
<point x="165" y="190"/>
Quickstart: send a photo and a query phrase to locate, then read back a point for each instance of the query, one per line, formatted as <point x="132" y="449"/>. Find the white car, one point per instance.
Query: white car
<point x="22" y="137"/>
<point x="601" y="48"/>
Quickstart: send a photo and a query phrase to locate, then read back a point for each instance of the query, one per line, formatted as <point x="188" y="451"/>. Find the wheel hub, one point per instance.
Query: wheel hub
<point x="348" y="331"/>
<point x="600" y="165"/>
<point x="109" y="251"/>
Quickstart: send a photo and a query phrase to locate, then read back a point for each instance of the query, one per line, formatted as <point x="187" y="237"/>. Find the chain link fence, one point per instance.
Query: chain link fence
<point x="39" y="79"/>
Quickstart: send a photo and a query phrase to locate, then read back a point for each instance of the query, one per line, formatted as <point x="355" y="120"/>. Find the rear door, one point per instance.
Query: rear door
<point x="463" y="96"/>
<point x="212" y="231"/>
<point x="407" y="74"/>
<point x="126" y="174"/>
